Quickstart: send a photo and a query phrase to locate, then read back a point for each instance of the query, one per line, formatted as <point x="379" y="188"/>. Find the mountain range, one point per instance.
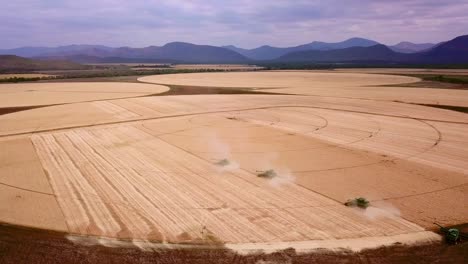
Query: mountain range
<point x="408" y="47"/>
<point x="351" y="50"/>
<point x="453" y="51"/>
<point x="268" y="52"/>
<point x="171" y="53"/>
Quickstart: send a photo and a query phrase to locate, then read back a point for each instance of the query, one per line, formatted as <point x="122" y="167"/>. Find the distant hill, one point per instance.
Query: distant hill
<point x="12" y="63"/>
<point x="351" y="50"/>
<point x="187" y="52"/>
<point x="352" y="42"/>
<point x="374" y="53"/>
<point x="408" y="47"/>
<point x="171" y="52"/>
<point x="268" y="52"/>
<point x="453" y="51"/>
<point x="262" y="53"/>
<point x="56" y="51"/>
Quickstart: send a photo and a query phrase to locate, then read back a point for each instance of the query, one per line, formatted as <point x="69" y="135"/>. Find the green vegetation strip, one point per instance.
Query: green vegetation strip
<point x="24" y="79"/>
<point x="458" y="79"/>
<point x="105" y="73"/>
<point x="274" y="65"/>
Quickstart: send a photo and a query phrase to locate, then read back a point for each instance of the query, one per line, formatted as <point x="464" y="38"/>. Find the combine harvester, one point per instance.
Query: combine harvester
<point x="452" y="235"/>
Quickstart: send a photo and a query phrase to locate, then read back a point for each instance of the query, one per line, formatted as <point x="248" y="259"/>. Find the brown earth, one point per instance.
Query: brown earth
<point x="52" y="247"/>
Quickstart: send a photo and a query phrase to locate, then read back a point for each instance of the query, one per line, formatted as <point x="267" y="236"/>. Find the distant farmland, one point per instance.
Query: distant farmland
<point x="24" y="75"/>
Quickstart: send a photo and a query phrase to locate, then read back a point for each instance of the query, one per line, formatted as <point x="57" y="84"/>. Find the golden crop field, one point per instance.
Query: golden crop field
<point x="183" y="169"/>
<point x="323" y="84"/>
<point x="408" y="71"/>
<point x="34" y="94"/>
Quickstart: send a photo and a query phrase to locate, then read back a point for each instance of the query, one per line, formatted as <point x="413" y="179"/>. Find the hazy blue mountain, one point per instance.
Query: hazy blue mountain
<point x="268" y="52"/>
<point x="453" y="51"/>
<point x="374" y="53"/>
<point x="175" y="51"/>
<point x="352" y="42"/>
<point x="235" y="49"/>
<point x="56" y="51"/>
<point x="263" y="53"/>
<point x="409" y="47"/>
<point x="355" y="49"/>
<point x="180" y="51"/>
<point x="188" y="52"/>
<point x="25" y="51"/>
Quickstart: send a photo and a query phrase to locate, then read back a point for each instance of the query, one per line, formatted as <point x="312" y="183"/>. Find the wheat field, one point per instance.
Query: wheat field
<point x="184" y="169"/>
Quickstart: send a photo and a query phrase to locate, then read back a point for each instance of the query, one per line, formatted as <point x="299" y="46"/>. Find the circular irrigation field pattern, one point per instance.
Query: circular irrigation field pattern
<point x="184" y="169"/>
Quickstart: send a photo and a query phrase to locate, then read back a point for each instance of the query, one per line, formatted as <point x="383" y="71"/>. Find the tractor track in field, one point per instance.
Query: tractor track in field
<point x="225" y="111"/>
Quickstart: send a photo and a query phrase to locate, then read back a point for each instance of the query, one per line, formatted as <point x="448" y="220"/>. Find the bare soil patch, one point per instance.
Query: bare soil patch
<point x="198" y="90"/>
<point x="9" y="110"/>
<point x="434" y="85"/>
<point x="131" y="79"/>
<point x="52" y="247"/>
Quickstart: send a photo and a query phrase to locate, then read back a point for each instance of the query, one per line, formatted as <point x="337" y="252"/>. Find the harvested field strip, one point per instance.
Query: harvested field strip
<point x="177" y="104"/>
<point x="25" y="189"/>
<point x="339" y="132"/>
<point x="79" y="214"/>
<point x="122" y="182"/>
<point x="139" y="109"/>
<point x="398" y="138"/>
<point x="137" y="94"/>
<point x="36" y="94"/>
<point x="425" y="193"/>
<point x="115" y="110"/>
<point x="182" y="114"/>
<point x="407" y="139"/>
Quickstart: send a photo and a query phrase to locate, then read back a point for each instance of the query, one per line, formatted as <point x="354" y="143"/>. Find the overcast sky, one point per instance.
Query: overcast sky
<point x="244" y="23"/>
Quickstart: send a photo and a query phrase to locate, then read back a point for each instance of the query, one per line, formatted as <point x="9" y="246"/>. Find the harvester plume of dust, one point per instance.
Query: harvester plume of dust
<point x="381" y="210"/>
<point x="265" y="162"/>
<point x="141" y="244"/>
<point x="378" y="209"/>
<point x="102" y="241"/>
<point x="284" y="176"/>
<point x="222" y="151"/>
